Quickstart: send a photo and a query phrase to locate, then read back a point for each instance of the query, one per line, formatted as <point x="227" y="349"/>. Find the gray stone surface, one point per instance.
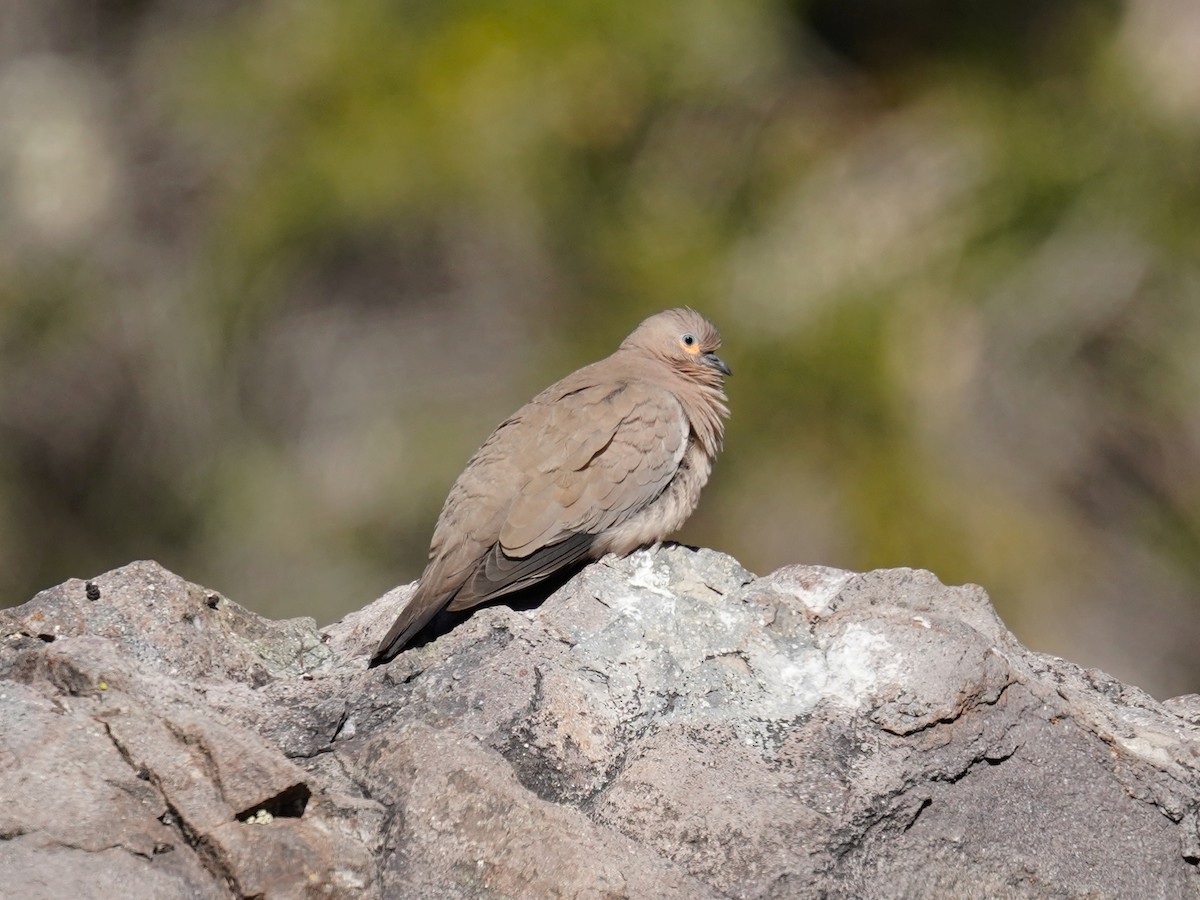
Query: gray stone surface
<point x="666" y="725"/>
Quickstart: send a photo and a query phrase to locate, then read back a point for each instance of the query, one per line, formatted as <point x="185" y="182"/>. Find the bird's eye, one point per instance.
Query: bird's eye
<point x="688" y="340"/>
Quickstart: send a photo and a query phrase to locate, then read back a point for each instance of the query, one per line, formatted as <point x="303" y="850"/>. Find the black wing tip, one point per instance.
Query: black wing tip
<point x="379" y="658"/>
<point x="407" y="626"/>
<point x="389" y="648"/>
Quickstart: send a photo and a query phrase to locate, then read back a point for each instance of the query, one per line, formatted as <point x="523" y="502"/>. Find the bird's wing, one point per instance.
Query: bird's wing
<point x="580" y="458"/>
<point x="601" y="455"/>
<point x="594" y="457"/>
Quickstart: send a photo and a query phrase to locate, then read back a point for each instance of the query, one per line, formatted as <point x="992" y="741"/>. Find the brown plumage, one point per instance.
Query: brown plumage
<point x="610" y="459"/>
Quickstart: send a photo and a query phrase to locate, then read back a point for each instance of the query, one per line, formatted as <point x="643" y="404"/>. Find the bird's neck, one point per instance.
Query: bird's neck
<point x="704" y="401"/>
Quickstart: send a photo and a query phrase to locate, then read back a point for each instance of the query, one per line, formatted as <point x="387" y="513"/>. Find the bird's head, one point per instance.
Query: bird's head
<point x="683" y="338"/>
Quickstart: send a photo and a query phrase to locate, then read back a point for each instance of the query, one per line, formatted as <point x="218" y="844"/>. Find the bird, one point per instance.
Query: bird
<point x="610" y="459"/>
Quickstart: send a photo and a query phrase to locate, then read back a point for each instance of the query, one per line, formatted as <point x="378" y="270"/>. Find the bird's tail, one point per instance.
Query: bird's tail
<point x="416" y="614"/>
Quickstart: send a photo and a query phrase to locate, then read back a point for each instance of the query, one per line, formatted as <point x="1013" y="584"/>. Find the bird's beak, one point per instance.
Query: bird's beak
<point x="711" y="359"/>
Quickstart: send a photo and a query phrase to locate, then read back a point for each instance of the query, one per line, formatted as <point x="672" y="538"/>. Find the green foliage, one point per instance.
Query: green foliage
<point x="952" y="250"/>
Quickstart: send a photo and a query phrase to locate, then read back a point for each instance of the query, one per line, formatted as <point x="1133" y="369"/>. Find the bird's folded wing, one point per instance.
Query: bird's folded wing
<point x="592" y="458"/>
<point x="498" y="574"/>
<point x="615" y="448"/>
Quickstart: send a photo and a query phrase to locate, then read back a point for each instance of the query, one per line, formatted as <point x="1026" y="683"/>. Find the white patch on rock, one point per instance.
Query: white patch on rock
<point x="728" y="617"/>
<point x="822" y="586"/>
<point x="857" y="661"/>
<point x="628" y="605"/>
<point x="1150" y="746"/>
<point x="646" y="575"/>
<point x="792" y="685"/>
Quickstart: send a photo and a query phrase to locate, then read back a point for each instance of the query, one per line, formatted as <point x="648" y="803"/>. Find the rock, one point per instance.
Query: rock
<point x="665" y="725"/>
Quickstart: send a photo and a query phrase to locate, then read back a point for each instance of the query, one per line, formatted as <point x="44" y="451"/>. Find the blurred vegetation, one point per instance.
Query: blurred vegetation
<point x="269" y="273"/>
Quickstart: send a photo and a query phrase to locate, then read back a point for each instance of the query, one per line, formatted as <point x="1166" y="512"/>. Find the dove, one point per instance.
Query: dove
<point x="610" y="459"/>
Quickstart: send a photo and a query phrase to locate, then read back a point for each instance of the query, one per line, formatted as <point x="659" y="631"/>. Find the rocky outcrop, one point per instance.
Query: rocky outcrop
<point x="665" y="725"/>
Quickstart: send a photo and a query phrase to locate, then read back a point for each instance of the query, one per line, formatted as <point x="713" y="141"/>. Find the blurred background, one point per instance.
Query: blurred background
<point x="270" y="272"/>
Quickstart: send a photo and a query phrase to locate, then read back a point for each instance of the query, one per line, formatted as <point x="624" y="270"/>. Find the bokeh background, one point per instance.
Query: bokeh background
<point x="270" y="272"/>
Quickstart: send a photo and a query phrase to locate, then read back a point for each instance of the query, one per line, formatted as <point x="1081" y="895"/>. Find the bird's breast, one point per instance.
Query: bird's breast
<point x="666" y="513"/>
